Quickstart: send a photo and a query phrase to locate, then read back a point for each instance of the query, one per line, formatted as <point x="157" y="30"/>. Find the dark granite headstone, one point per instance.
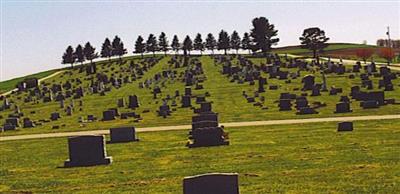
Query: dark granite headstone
<point x="108" y="115"/>
<point x="212" y="183"/>
<point x="343" y="107"/>
<point x="345" y="126"/>
<point x="123" y="134"/>
<point x="87" y="150"/>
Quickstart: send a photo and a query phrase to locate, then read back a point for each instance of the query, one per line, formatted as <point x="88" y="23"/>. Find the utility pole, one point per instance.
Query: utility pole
<point x="388" y="34"/>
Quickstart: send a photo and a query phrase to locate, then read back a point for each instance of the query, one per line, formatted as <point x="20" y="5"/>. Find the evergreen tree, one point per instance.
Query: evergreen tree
<point x="121" y="50"/>
<point x="314" y="39"/>
<point x="198" y="43"/>
<point x="69" y="56"/>
<point x="115" y="45"/>
<point x="106" y="49"/>
<point x="187" y="45"/>
<point x="151" y="44"/>
<point x="140" y="46"/>
<point x="223" y="41"/>
<point x="80" y="57"/>
<point x="235" y="41"/>
<point x="175" y="44"/>
<point x="262" y="35"/>
<point x="246" y="42"/>
<point x="163" y="42"/>
<point x="90" y="52"/>
<point x="211" y="43"/>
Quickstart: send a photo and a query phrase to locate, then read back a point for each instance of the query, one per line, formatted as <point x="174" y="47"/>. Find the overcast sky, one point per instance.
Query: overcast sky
<point x="34" y="34"/>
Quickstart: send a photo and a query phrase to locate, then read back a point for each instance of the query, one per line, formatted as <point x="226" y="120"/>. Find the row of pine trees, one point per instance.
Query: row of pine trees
<point x="260" y="38"/>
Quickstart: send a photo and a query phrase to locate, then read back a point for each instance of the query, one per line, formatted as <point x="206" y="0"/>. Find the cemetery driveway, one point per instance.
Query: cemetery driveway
<point x="186" y="127"/>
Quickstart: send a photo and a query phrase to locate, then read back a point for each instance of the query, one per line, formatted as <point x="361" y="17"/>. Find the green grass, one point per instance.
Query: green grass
<point x="226" y="96"/>
<point x="301" y="158"/>
<point x="12" y="83"/>
<point x="297" y="50"/>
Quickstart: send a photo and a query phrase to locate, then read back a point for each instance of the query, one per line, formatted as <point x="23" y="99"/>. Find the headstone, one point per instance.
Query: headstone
<point x="186" y="101"/>
<point x="345" y="126"/>
<point x="212" y="183"/>
<point x="54" y="116"/>
<point x="27" y="123"/>
<point x="343" y="107"/>
<point x="133" y="102"/>
<point x="108" y="115"/>
<point x="308" y="82"/>
<point x="69" y="111"/>
<point x="123" y="134"/>
<point x="188" y="91"/>
<point x="120" y="103"/>
<point x="88" y="150"/>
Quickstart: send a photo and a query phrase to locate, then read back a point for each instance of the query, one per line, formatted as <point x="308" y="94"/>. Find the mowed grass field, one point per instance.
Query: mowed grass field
<point x="301" y="158"/>
<point x="338" y="50"/>
<point x="226" y="97"/>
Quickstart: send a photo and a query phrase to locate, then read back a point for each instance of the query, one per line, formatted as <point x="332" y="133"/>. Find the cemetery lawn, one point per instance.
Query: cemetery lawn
<point x="8" y="85"/>
<point x="301" y="158"/>
<point x="226" y="96"/>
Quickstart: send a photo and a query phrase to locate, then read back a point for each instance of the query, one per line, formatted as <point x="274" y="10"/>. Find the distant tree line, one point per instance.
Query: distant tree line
<point x="260" y="39"/>
<point x="387" y="43"/>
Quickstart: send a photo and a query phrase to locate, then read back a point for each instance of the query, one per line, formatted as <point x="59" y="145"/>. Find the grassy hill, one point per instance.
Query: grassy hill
<point x="301" y="158"/>
<point x="334" y="50"/>
<point x="226" y="96"/>
<point x="308" y="158"/>
<point x="8" y="85"/>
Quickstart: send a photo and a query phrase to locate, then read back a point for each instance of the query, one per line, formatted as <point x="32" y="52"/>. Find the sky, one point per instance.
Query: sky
<point x="35" y="34"/>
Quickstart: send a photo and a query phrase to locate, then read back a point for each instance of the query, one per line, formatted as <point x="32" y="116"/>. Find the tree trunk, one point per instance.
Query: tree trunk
<point x="154" y="53"/>
<point x="165" y="53"/>
<point x="225" y="51"/>
<point x="314" y="53"/>
<point x="141" y="55"/>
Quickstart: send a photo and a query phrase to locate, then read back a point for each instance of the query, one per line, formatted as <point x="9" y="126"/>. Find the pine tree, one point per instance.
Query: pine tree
<point x="140" y="46"/>
<point x="106" y="49"/>
<point x="90" y="52"/>
<point x="223" y="41"/>
<point x="187" y="45"/>
<point x="262" y="35"/>
<point x="198" y="43"/>
<point x="115" y="46"/>
<point x="80" y="57"/>
<point x="314" y="39"/>
<point x="151" y="44"/>
<point x="163" y="43"/>
<point x="175" y="44"/>
<point x="69" y="56"/>
<point x="211" y="43"/>
<point x="235" y="41"/>
<point x="118" y="48"/>
<point x="246" y="42"/>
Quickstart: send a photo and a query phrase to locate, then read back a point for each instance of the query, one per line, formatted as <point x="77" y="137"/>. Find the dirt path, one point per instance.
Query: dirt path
<point x="228" y="125"/>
